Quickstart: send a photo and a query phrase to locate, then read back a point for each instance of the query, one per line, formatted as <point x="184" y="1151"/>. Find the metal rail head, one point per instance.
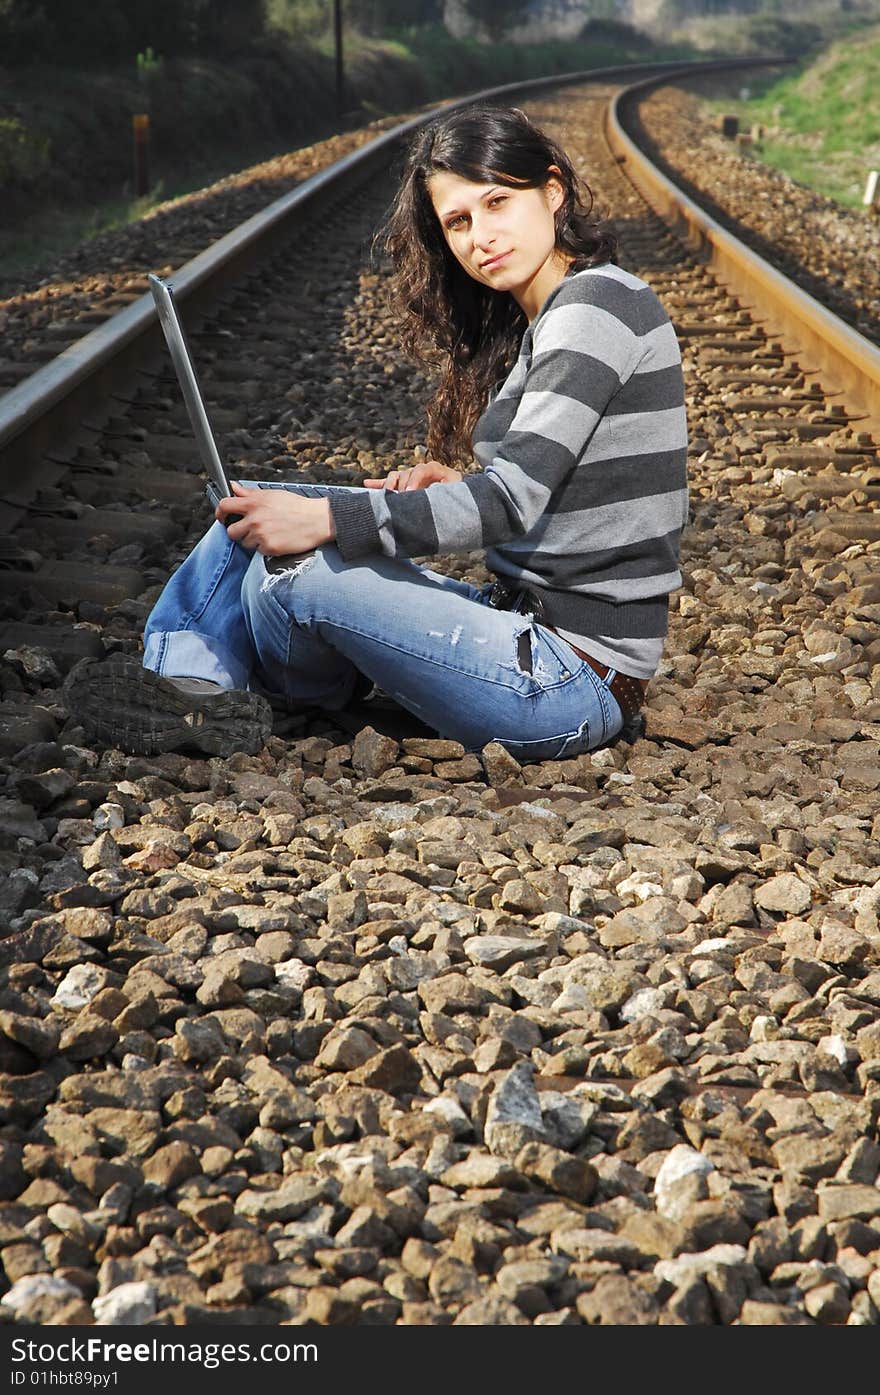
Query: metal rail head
<point x="848" y="360"/>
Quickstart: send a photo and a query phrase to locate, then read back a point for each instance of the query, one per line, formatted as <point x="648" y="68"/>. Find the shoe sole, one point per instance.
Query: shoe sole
<point x="119" y="703"/>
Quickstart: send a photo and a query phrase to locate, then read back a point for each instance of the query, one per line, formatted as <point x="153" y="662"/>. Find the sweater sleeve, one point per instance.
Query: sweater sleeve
<point x="581" y="352"/>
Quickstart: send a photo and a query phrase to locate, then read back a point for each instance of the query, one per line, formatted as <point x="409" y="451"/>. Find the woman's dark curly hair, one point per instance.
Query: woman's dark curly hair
<point x="476" y="329"/>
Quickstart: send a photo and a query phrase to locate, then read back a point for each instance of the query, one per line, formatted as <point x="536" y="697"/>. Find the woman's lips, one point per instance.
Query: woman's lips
<point x="494" y="261"/>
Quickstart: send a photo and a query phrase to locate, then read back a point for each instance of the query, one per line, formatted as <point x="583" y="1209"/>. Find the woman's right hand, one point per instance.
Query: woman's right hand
<point x="417" y="476"/>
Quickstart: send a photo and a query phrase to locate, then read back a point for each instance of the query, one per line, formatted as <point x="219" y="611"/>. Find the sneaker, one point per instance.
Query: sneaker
<point x="120" y="703"/>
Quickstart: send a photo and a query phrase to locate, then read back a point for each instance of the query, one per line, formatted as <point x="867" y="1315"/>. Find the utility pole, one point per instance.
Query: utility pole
<point x="340" y="72"/>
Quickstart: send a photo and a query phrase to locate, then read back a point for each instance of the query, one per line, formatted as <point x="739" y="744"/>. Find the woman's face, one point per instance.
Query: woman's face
<point x="503" y="237"/>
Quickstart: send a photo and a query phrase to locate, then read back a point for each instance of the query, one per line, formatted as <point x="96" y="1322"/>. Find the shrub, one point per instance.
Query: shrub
<point x="24" y="154"/>
<point x="615" y="31"/>
<point x="378" y="17"/>
<point x="772" y="34"/>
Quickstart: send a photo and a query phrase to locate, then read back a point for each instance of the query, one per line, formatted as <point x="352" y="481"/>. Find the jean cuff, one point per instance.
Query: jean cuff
<point x="187" y="654"/>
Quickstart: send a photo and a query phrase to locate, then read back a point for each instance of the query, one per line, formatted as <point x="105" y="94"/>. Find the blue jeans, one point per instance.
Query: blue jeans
<point x="303" y="635"/>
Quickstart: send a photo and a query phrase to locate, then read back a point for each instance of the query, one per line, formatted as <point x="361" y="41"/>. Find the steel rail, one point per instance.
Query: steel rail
<point x="849" y="361"/>
<point x="48" y="407"/>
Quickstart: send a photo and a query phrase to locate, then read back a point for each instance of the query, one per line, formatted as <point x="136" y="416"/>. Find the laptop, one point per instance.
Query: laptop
<point x="217" y="487"/>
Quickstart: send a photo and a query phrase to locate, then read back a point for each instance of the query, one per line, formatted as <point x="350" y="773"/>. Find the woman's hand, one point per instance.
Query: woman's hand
<point x="277" y="521"/>
<point x="417" y="476"/>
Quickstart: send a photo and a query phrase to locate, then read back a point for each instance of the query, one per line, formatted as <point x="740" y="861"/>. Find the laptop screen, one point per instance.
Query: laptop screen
<point x="181" y="357"/>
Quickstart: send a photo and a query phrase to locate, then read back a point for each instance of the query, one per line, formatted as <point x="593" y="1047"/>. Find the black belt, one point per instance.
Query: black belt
<point x="628" y="692"/>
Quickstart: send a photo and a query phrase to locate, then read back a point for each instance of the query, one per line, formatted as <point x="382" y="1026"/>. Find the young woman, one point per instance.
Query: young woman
<point x="561" y="386"/>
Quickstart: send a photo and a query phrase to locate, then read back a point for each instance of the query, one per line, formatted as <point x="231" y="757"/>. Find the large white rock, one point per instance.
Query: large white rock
<point x="79" y="986"/>
<point x="691" y="1266"/>
<point x="834" y="1046"/>
<point x="25" y="1291"/>
<point x="514" y="1113"/>
<point x="681" y="1161"/>
<point x="126" y="1305"/>
<point x="451" y="1111"/>
<point x="644" y="1003"/>
<point x="573" y="998"/>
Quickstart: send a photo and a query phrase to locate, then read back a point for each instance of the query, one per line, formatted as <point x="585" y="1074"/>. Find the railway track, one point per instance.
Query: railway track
<point x="831" y="251"/>
<point x="834" y="342"/>
<point x="370" y="1030"/>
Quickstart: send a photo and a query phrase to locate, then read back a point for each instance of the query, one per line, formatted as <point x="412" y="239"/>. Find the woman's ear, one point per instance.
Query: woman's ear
<point x="554" y="188"/>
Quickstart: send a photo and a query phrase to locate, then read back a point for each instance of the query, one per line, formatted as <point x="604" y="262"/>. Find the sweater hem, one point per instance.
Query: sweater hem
<point x="587" y="615"/>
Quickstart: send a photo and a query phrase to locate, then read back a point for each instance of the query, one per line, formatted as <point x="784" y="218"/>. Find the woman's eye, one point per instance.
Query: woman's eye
<point x="454" y="223"/>
<point x="498" y="198"/>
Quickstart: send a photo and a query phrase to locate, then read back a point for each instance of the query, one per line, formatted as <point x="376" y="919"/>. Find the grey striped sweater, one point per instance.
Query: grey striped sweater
<point x="582" y="495"/>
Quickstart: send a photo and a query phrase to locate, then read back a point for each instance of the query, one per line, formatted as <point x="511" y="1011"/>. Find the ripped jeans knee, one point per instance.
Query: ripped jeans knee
<point x="294" y="666"/>
<point x="289" y="564"/>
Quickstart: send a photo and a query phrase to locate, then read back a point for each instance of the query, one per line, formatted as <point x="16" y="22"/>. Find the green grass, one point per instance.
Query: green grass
<point x="42" y="235"/>
<point x="821" y="124"/>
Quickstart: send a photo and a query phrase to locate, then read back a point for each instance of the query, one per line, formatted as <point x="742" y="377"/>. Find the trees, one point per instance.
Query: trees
<point x="309" y="18"/>
<point x="770" y="34"/>
<point x="22" y="29"/>
<point x="497" y="16"/>
<point x="380" y="16"/>
<point x="111" y="30"/>
<point x="222" y="26"/>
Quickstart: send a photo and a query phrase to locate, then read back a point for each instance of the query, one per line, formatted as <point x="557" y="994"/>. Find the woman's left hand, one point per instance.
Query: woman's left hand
<point x="277" y="521"/>
<point x="417" y="477"/>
